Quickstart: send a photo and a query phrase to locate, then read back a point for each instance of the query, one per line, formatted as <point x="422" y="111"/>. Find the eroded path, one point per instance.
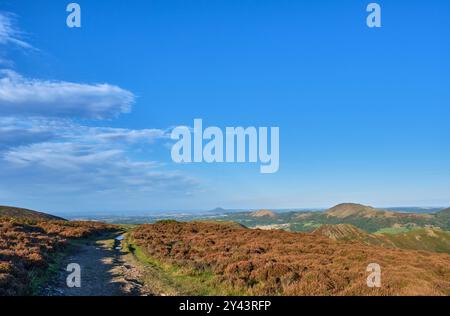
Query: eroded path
<point x="105" y="271"/>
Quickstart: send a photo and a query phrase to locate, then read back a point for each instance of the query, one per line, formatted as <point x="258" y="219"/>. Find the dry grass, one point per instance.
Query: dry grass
<point x="257" y="262"/>
<point x="26" y="248"/>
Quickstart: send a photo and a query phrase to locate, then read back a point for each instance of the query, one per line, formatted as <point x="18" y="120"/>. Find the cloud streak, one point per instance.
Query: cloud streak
<point x="9" y="33"/>
<point x="56" y="155"/>
<point x="31" y="97"/>
<point x="58" y="166"/>
<point x="15" y="131"/>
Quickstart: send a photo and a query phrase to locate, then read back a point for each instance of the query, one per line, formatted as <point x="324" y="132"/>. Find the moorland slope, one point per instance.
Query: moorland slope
<point x="27" y="248"/>
<point x="22" y="213"/>
<point x="257" y="262"/>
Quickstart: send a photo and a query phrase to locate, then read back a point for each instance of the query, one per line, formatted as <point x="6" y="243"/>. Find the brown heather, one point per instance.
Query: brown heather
<point x="26" y="248"/>
<point x="258" y="262"/>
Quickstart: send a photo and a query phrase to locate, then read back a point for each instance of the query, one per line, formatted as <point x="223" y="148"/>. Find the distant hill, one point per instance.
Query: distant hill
<point x="263" y="213"/>
<point x="346" y="210"/>
<point x="444" y="213"/>
<point x="351" y="209"/>
<point x="218" y="210"/>
<point x="443" y="218"/>
<point x="21" y="213"/>
<point x="366" y="218"/>
<point x="372" y="219"/>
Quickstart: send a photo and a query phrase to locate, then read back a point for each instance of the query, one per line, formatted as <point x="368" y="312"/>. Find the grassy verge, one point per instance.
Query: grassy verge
<point x="169" y="279"/>
<point x="39" y="277"/>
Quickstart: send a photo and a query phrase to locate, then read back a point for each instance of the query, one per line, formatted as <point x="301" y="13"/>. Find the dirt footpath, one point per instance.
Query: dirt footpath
<point x="105" y="271"/>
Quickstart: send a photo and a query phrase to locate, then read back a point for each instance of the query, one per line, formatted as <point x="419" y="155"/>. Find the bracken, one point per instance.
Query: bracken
<point x="257" y="262"/>
<point x="27" y="246"/>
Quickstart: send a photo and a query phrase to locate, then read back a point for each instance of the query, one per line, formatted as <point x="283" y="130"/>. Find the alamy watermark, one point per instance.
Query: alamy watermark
<point x="74" y="17"/>
<point x="374" y="278"/>
<point x="374" y="18"/>
<point x="74" y="278"/>
<point x="234" y="145"/>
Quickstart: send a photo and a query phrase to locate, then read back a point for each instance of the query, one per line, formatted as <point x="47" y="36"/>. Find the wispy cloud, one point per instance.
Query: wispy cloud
<point x="120" y="135"/>
<point x="10" y="33"/>
<point x="11" y="37"/>
<point x="17" y="131"/>
<point x="6" y="62"/>
<point x="58" y="155"/>
<point x="48" y="157"/>
<point x="65" y="166"/>
<point x="32" y="97"/>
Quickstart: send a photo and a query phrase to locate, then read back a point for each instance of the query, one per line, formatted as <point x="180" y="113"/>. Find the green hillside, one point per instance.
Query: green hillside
<point x="367" y="218"/>
<point x="425" y="239"/>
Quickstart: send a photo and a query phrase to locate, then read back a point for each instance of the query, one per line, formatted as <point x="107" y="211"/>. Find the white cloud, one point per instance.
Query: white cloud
<point x="34" y="97"/>
<point x="10" y="36"/>
<point x="9" y="33"/>
<point x="120" y="135"/>
<point x="13" y="130"/>
<point x="60" y="155"/>
<point x="6" y="62"/>
<point x="31" y="97"/>
<point x="57" y="166"/>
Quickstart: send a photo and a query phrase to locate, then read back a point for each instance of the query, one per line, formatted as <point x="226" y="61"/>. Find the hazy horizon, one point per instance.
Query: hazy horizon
<point x="160" y="212"/>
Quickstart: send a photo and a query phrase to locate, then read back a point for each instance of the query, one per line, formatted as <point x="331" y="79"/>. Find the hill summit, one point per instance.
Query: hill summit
<point x="263" y="213"/>
<point x="352" y="209"/>
<point x="22" y="213"/>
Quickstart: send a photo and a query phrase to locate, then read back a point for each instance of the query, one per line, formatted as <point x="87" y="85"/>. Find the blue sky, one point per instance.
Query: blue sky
<point x="86" y="113"/>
